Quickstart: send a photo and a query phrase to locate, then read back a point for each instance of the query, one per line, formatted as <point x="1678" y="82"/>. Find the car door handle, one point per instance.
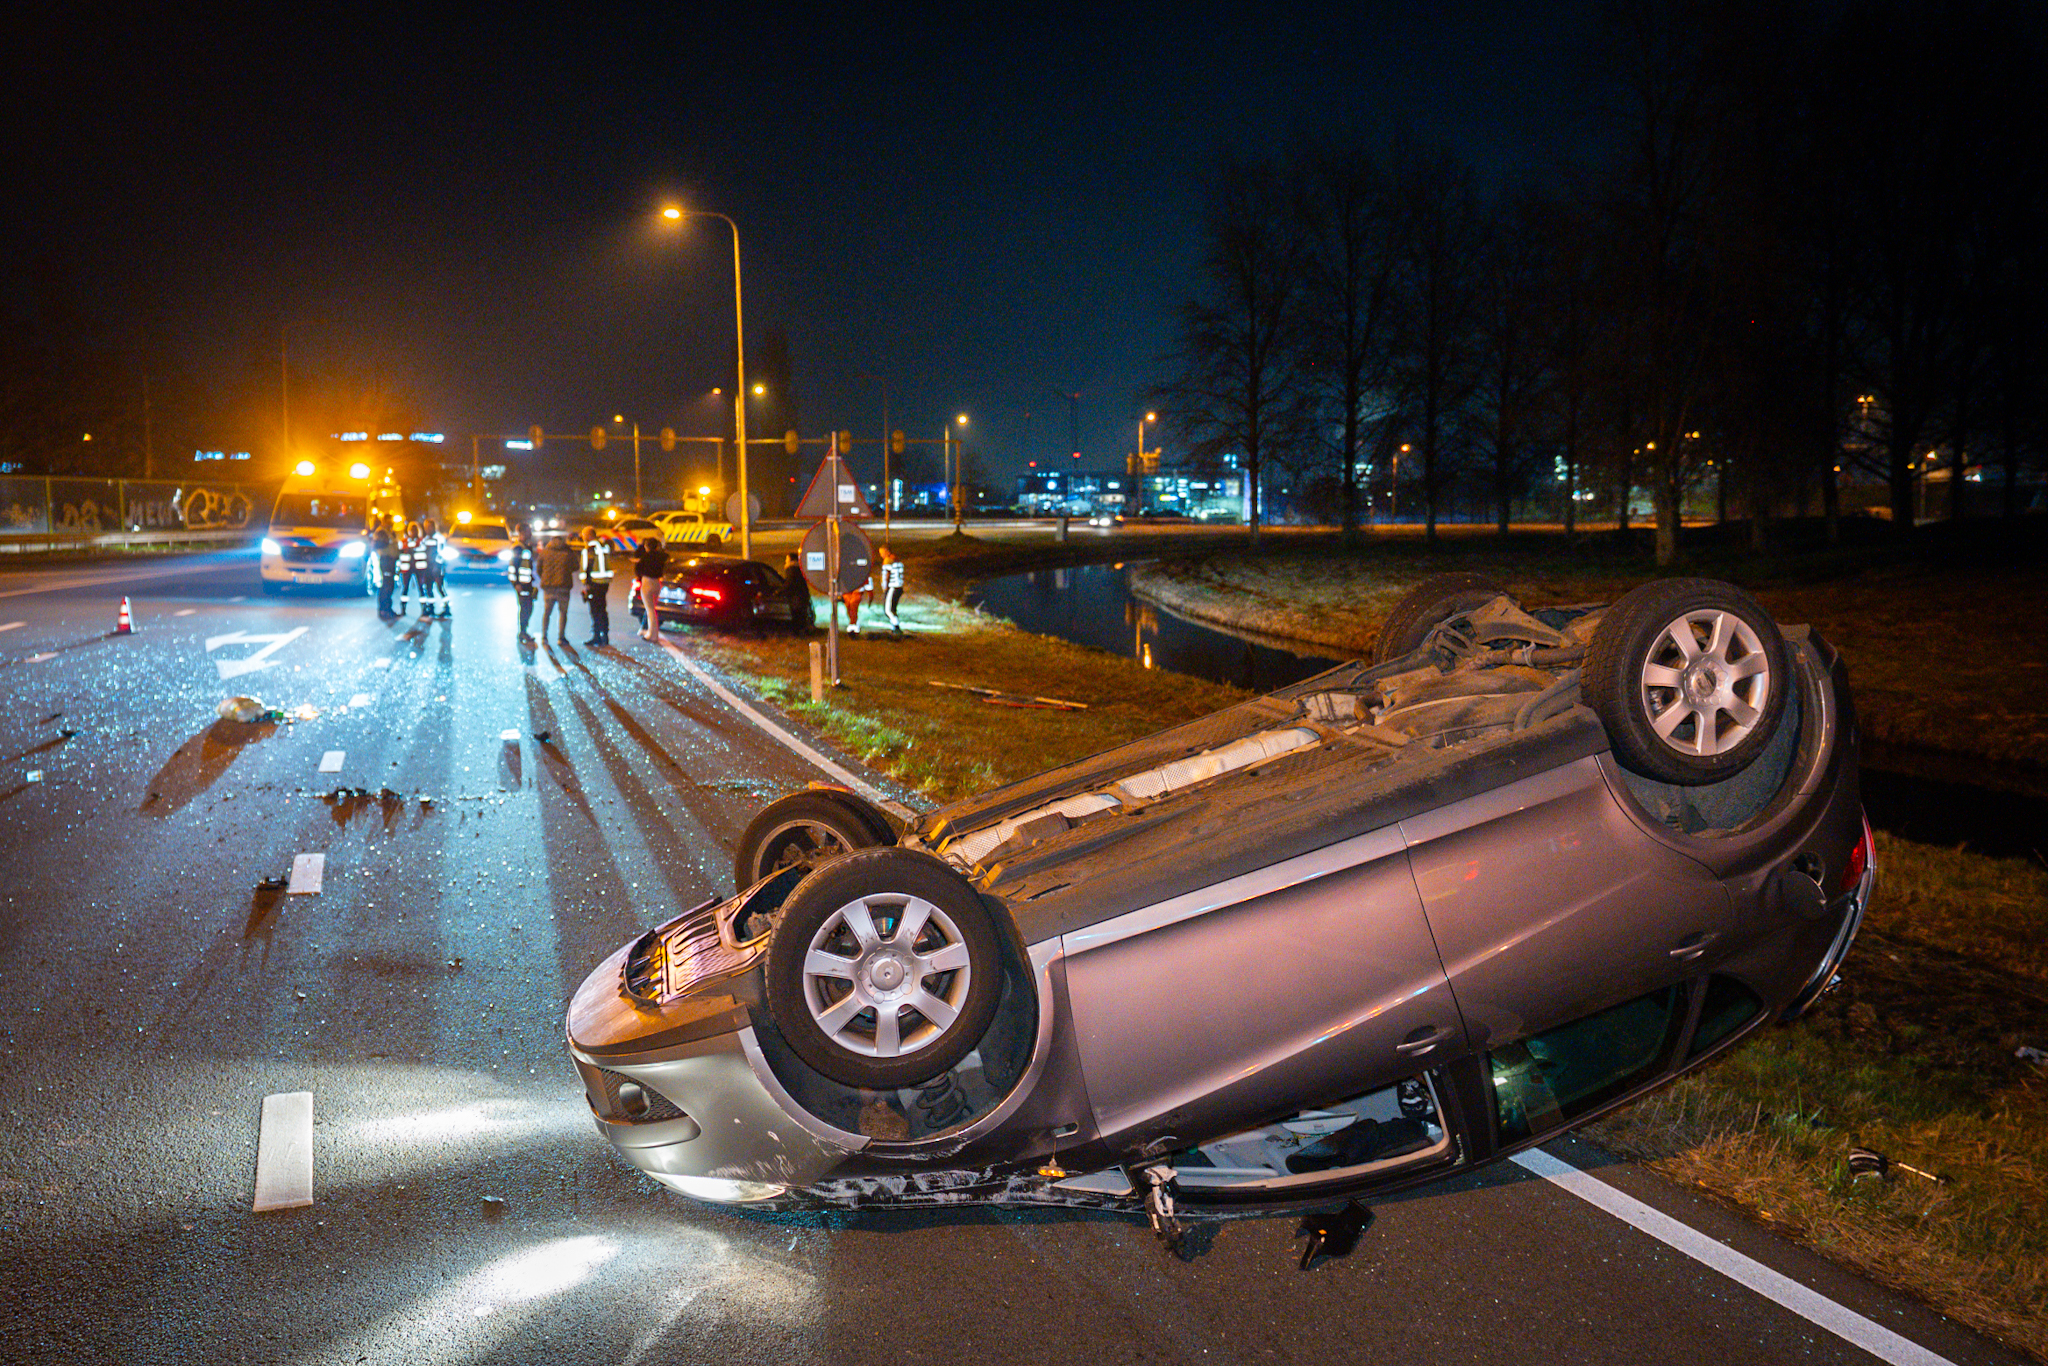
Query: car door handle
<point x="1420" y="1041"/>
<point x="1693" y="945"/>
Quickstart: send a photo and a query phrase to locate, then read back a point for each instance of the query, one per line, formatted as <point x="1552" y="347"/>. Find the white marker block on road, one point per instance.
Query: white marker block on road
<point x="184" y="611"/>
<point x="510" y="737"/>
<point x="330" y="762"/>
<point x="284" y="1152"/>
<point x="37" y="659"/>
<point x="307" y="872"/>
<point x="361" y="699"/>
<point x="13" y="626"/>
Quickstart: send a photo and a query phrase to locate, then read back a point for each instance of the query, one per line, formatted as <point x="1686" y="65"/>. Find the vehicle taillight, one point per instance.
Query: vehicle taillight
<point x="1858" y="861"/>
<point x="711" y="594"/>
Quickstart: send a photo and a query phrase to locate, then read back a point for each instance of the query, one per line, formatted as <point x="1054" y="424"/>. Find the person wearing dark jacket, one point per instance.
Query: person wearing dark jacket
<point x="649" y="569"/>
<point x="557" y="573"/>
<point x="596" y="571"/>
<point x="520" y="572"/>
<point x="384" y="545"/>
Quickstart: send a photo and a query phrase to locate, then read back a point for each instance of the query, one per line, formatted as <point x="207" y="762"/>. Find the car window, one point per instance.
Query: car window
<point x="1551" y="1078"/>
<point x="1728" y="1007"/>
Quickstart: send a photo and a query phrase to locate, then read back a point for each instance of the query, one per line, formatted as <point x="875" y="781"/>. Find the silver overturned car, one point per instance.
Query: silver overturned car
<point x="1370" y="930"/>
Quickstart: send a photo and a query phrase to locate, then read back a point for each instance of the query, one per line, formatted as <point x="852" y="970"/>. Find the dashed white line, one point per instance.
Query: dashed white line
<point x="284" y="1152"/>
<point x="331" y="761"/>
<point x="184" y="611"/>
<point x="308" y="871"/>
<point x="37" y="659"/>
<point x="1811" y="1305"/>
<point x="361" y="699"/>
<point x="13" y="626"/>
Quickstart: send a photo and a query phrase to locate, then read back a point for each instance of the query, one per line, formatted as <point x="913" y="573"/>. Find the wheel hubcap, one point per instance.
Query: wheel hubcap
<point x="886" y="975"/>
<point x="1706" y="682"/>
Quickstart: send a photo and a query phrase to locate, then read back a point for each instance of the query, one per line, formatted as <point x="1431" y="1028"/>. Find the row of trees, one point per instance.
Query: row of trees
<point x="1814" y="244"/>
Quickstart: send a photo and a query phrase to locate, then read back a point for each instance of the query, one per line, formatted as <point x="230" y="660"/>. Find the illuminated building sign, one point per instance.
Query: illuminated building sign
<point x="518" y="445"/>
<point x="434" y="437"/>
<point x="352" y="436"/>
<point x="220" y="455"/>
<point x="391" y="436"/>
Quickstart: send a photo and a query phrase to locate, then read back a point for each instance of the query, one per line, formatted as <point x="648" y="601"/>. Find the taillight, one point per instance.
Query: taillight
<point x="708" y="594"/>
<point x="1858" y="862"/>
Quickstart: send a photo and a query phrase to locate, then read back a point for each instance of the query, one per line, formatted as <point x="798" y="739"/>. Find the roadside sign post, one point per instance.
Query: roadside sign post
<point x="836" y="556"/>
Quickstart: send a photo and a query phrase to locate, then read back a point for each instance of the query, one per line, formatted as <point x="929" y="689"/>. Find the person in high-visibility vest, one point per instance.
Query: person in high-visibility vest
<point x="384" y="553"/>
<point x="412" y="569"/>
<point x="596" y="571"/>
<point x="435" y="574"/>
<point x="519" y="571"/>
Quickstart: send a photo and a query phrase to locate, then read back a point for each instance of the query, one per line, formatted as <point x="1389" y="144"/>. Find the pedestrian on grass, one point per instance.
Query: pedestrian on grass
<point x="648" y="571"/>
<point x="384" y="547"/>
<point x="520" y="572"/>
<point x="892" y="587"/>
<point x="557" y="574"/>
<point x="802" y="617"/>
<point x="595" y="569"/>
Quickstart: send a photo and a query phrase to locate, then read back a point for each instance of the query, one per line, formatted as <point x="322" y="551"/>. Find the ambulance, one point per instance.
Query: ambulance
<point x="319" y="535"/>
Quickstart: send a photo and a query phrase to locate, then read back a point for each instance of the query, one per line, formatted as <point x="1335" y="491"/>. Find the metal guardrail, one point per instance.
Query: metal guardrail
<point x="130" y="541"/>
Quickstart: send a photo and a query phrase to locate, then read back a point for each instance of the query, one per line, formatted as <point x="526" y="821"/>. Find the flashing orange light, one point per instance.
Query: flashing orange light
<point x="462" y="518"/>
<point x="304" y="469"/>
<point x="359" y="471"/>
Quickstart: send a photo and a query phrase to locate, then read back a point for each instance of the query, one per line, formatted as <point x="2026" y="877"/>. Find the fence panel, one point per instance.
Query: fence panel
<point x="24" y="506"/>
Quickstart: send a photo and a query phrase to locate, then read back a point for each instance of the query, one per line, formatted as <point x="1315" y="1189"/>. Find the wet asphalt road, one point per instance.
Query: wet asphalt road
<point x="465" y="1211"/>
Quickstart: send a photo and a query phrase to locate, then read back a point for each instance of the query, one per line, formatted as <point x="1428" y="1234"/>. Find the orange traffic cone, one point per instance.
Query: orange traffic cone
<point x="126" y="625"/>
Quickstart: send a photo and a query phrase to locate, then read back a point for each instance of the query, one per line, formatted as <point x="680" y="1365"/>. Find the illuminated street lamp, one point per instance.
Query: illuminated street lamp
<point x="1139" y="471"/>
<point x="739" y="404"/>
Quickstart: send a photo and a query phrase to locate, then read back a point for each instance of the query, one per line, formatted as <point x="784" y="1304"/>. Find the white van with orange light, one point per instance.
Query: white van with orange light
<point x="319" y="534"/>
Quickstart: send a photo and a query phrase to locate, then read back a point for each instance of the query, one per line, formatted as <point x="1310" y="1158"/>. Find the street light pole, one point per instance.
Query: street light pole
<point x="739" y="397"/>
<point x="959" y="471"/>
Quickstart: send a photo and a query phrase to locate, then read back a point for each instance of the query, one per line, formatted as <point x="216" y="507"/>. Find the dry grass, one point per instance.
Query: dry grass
<point x="1941" y="653"/>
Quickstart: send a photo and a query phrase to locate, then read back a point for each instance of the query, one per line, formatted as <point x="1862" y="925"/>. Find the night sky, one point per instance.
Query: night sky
<point x="988" y="210"/>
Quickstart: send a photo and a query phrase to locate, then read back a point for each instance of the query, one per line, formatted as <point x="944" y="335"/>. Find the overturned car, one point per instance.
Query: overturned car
<point x="1381" y="926"/>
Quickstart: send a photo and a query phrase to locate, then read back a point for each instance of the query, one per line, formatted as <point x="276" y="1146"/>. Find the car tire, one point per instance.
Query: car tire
<point x="804" y="829"/>
<point x="1690" y="677"/>
<point x="1423" y="607"/>
<point x="885" y="969"/>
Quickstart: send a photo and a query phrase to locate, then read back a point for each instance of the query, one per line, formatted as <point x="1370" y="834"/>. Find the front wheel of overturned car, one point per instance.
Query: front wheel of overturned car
<point x="1689" y="676"/>
<point x="1425" y="606"/>
<point x="885" y="969"/>
<point x="806" y="828"/>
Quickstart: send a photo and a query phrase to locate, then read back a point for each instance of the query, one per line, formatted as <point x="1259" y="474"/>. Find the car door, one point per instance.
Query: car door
<point x="1548" y="904"/>
<point x="1294" y="984"/>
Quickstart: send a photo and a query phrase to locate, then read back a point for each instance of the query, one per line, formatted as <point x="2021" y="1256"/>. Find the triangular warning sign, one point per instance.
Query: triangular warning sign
<point x="833" y="490"/>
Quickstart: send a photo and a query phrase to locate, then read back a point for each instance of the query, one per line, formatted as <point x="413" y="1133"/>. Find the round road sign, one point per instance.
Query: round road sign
<point x="856" y="558"/>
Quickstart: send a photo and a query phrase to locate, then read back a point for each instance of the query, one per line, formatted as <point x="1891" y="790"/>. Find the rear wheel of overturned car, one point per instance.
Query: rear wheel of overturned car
<point x="1689" y="676"/>
<point x="1424" y="607"/>
<point x="885" y="969"/>
<point x="806" y="828"/>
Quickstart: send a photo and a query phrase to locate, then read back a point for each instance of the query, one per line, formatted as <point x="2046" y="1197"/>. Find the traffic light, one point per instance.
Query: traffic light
<point x="535" y="435"/>
<point x="789" y="441"/>
<point x="668" y="438"/>
<point x="597" y="438"/>
<point x="896" y="442"/>
<point x="845" y="442"/>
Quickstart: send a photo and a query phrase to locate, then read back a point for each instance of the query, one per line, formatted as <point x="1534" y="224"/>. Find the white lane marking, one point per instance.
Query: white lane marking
<point x="284" y="1152"/>
<point x="510" y="737"/>
<point x="96" y="580"/>
<point x="361" y="699"/>
<point x="184" y="611"/>
<point x="732" y="699"/>
<point x="13" y="626"/>
<point x="330" y="762"/>
<point x="308" y="871"/>
<point x="248" y="664"/>
<point x="37" y="659"/>
<point x="1814" y="1307"/>
<point x="34" y="775"/>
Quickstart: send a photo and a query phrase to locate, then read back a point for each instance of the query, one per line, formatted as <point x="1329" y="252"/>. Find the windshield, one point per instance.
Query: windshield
<point x="482" y="531"/>
<point x="321" y="509"/>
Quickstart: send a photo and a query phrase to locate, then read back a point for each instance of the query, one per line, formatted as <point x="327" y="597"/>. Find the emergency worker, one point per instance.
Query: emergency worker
<point x="384" y="545"/>
<point x="557" y="565"/>
<point x="523" y="575"/>
<point x="596" y="571"/>
<point x="436" y="572"/>
<point x="412" y="568"/>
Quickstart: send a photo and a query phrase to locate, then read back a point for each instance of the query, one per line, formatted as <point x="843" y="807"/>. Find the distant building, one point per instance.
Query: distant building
<point x="1217" y="496"/>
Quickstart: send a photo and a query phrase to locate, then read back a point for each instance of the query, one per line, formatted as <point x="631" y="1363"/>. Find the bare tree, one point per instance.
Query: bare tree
<point x="1235" y="387"/>
<point x="1511" y="378"/>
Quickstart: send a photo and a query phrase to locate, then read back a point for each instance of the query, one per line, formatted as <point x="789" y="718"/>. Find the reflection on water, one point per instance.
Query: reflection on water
<point x="1092" y="605"/>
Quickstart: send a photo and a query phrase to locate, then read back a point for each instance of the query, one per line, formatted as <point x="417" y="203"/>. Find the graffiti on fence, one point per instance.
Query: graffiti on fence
<point x="84" y="515"/>
<point x="214" y="510"/>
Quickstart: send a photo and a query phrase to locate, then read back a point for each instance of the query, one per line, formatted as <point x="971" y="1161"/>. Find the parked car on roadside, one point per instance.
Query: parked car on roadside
<point x="478" y="543"/>
<point x="1372" y="930"/>
<point x="730" y="593"/>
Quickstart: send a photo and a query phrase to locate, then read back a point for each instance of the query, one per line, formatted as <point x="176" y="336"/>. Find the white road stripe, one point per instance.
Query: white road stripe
<point x="13" y="626"/>
<point x="62" y="585"/>
<point x="361" y="699"/>
<point x="1810" y="1305"/>
<point x="308" y="872"/>
<point x="331" y="761"/>
<point x="184" y="611"/>
<point x="732" y="699"/>
<point x="37" y="659"/>
<point x="284" y="1152"/>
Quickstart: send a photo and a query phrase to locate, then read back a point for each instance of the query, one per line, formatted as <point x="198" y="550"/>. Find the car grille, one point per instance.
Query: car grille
<point x="689" y="949"/>
<point x="305" y="552"/>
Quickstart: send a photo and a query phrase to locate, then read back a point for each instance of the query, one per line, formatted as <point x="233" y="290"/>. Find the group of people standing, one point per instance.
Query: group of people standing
<point x="409" y="557"/>
<point x="550" y="573"/>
